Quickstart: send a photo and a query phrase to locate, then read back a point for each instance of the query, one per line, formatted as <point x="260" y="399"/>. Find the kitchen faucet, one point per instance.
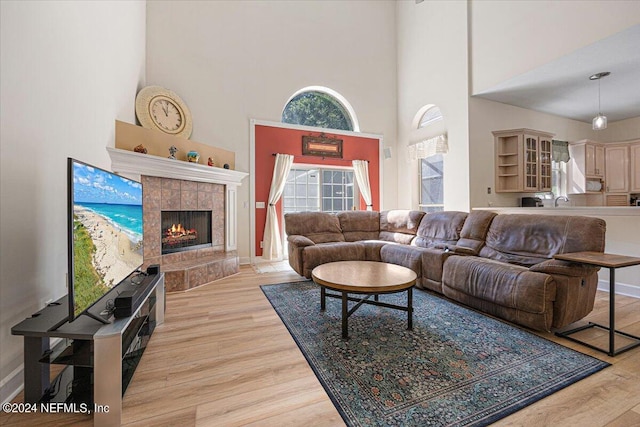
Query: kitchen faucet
<point x="563" y="198"/>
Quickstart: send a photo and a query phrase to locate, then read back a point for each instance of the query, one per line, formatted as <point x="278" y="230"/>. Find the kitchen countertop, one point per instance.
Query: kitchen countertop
<point x="569" y="210"/>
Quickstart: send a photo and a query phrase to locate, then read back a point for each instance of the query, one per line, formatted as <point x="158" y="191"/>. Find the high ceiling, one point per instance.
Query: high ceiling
<point x="562" y="87"/>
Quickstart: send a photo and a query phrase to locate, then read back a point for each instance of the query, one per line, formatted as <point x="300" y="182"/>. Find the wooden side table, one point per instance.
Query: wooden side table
<point x="610" y="261"/>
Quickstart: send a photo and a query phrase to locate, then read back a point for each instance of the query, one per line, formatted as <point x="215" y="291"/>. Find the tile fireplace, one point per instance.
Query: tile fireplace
<point x="184" y="231"/>
<point x="173" y="187"/>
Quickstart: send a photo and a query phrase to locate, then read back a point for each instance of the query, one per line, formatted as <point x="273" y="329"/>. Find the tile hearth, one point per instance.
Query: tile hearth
<point x="184" y="275"/>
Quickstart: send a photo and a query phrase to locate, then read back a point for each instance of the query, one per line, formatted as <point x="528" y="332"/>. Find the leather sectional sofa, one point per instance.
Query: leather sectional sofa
<point x="501" y="265"/>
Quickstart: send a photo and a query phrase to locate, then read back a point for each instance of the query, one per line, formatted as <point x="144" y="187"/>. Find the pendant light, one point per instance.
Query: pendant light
<point x="600" y="121"/>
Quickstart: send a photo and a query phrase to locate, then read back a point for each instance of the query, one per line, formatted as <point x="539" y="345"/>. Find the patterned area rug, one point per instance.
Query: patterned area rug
<point x="456" y="368"/>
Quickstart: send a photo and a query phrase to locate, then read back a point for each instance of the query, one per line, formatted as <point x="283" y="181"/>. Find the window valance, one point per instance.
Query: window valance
<point x="429" y="147"/>
<point x="560" y="151"/>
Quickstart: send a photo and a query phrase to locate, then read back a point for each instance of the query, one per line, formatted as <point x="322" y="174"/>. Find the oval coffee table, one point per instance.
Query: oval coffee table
<point x="367" y="278"/>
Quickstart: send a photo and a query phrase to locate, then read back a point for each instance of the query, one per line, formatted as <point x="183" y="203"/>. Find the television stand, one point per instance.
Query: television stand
<point x="100" y="358"/>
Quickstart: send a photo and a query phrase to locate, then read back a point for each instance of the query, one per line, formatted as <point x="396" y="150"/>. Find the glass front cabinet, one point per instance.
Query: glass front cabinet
<point x="523" y="160"/>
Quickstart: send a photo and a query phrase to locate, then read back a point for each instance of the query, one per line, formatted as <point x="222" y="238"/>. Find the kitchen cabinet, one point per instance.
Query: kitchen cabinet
<point x="523" y="160"/>
<point x="634" y="149"/>
<point x="594" y="159"/>
<point x="586" y="167"/>
<point x="616" y="168"/>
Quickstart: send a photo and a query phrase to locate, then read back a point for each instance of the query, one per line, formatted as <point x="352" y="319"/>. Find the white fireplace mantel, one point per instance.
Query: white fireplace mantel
<point x="134" y="165"/>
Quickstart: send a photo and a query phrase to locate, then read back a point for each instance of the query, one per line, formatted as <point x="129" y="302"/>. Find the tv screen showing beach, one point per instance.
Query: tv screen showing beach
<point x="107" y="232"/>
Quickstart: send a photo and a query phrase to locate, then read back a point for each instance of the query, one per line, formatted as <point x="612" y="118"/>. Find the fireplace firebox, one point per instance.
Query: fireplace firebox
<point x="185" y="230"/>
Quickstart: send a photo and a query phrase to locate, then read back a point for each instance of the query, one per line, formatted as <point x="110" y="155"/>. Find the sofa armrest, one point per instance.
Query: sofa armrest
<point x="296" y="247"/>
<point x="300" y="241"/>
<point x="565" y="268"/>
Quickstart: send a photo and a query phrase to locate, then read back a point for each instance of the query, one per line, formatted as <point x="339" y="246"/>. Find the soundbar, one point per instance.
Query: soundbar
<point x="127" y="302"/>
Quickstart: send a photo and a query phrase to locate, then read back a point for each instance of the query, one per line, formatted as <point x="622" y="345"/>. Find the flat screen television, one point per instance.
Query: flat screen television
<point x="104" y="235"/>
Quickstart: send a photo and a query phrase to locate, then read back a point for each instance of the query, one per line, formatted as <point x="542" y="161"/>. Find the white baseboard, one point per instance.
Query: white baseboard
<point x="245" y="260"/>
<point x="621" y="289"/>
<point x="12" y="384"/>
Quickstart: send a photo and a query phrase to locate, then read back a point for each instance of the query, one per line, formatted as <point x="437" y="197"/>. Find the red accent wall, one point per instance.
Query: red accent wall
<point x="270" y="140"/>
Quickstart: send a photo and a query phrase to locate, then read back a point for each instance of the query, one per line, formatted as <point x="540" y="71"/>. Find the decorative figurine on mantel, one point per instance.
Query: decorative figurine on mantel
<point x="172" y="152"/>
<point x="210" y="161"/>
<point x="226" y="166"/>
<point x="193" y="156"/>
<point x="140" y="149"/>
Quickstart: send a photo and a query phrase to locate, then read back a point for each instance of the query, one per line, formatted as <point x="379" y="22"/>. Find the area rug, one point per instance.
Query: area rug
<point x="456" y="367"/>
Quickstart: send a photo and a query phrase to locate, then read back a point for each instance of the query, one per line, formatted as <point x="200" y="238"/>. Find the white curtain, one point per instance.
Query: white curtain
<point x="429" y="147"/>
<point x="361" y="170"/>
<point x="271" y="244"/>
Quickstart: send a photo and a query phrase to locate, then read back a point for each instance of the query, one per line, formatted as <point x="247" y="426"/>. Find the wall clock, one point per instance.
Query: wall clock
<point x="161" y="109"/>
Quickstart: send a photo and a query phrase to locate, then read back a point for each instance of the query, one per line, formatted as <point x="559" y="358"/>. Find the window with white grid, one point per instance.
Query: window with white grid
<point x="319" y="189"/>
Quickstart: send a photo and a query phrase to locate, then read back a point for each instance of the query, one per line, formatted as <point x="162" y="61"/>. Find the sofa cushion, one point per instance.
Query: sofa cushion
<point x="359" y="225"/>
<point x="439" y="229"/>
<point x="399" y="226"/>
<point x="527" y="240"/>
<point x="319" y="227"/>
<point x="474" y="231"/>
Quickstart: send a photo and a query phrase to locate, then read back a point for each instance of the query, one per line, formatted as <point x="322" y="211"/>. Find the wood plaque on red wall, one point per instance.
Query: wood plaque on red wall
<point x="321" y="146"/>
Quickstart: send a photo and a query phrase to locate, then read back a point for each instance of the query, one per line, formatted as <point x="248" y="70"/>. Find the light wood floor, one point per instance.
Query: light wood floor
<point x="224" y="358"/>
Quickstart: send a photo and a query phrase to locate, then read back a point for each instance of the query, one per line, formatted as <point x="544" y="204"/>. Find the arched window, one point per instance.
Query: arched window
<point x="432" y="115"/>
<point x="430" y="152"/>
<point x="320" y="107"/>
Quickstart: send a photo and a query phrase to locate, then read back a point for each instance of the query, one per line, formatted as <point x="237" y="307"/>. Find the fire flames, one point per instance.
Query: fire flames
<point x="177" y="234"/>
<point x="179" y="230"/>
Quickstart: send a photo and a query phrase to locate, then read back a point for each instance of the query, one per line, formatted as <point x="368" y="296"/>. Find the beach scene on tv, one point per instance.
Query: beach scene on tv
<point x="107" y="232"/>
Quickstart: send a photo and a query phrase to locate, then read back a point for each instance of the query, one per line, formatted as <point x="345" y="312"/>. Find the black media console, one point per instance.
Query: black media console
<point x="100" y="359"/>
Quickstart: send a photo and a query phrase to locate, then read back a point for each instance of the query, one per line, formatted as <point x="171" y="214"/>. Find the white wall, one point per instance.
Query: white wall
<point x="623" y="237"/>
<point x="432" y="69"/>
<point x="233" y="61"/>
<point x="68" y="70"/>
<point x="622" y="130"/>
<point x="508" y="40"/>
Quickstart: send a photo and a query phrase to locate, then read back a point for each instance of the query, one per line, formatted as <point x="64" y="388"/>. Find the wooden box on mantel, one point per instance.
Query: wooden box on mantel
<point x="157" y="143"/>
